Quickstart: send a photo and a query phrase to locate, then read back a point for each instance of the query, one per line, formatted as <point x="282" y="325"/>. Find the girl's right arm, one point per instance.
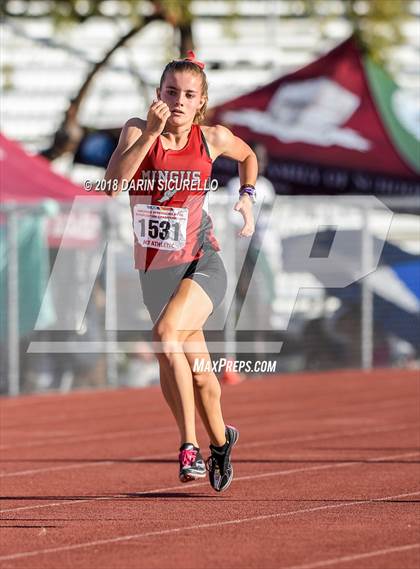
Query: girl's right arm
<point x="136" y="138"/>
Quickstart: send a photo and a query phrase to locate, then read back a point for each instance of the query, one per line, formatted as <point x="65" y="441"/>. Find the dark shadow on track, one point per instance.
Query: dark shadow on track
<point x="141" y="495"/>
<point x="144" y="495"/>
<point x="111" y="497"/>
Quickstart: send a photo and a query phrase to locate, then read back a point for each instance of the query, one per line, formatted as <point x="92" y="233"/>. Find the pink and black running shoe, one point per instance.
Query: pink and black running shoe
<point x="191" y="463"/>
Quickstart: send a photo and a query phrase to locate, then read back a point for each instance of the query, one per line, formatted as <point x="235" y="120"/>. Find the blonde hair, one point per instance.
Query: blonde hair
<point x="185" y="65"/>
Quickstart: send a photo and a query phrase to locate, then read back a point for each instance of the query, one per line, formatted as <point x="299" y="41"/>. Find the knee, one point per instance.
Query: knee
<point x="168" y="339"/>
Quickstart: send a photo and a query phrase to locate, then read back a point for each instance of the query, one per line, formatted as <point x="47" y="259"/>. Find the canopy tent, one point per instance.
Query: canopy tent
<point x="395" y="283"/>
<point x="338" y="125"/>
<point x="30" y="179"/>
<point x="30" y="193"/>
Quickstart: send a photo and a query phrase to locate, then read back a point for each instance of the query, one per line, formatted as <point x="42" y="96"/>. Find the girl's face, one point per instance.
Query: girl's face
<point x="181" y="91"/>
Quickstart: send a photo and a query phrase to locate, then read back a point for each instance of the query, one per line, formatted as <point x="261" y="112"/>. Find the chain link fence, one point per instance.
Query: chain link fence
<point x="324" y="283"/>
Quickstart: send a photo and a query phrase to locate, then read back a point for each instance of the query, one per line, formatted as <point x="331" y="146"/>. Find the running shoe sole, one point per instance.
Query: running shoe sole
<point x="191" y="475"/>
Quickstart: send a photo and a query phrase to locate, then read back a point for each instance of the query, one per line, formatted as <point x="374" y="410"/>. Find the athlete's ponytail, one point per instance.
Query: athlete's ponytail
<point x="190" y="63"/>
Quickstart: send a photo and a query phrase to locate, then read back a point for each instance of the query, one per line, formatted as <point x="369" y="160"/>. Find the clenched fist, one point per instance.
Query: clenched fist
<point x="157" y="116"/>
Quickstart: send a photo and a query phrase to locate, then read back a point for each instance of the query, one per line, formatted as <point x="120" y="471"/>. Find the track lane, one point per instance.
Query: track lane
<point x="319" y="453"/>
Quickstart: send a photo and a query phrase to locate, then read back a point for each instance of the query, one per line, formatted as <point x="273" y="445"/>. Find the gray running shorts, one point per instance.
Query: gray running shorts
<point x="159" y="285"/>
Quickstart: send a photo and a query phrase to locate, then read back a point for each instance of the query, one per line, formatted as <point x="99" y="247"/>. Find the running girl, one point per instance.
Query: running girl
<point x="182" y="275"/>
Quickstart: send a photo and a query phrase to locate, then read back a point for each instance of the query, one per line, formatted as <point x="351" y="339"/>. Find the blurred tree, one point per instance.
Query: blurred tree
<point x="375" y="23"/>
<point x="71" y="12"/>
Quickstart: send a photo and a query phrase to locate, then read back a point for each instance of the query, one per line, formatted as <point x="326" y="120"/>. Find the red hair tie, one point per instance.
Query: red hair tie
<point x="191" y="57"/>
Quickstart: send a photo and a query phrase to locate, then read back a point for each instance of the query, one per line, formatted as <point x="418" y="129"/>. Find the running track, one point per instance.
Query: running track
<point x="326" y="475"/>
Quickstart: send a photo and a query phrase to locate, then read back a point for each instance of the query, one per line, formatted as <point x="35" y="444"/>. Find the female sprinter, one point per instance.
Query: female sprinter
<point x="169" y="156"/>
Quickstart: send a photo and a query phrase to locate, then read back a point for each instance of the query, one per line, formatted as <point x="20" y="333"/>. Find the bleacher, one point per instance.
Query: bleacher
<point x="43" y="66"/>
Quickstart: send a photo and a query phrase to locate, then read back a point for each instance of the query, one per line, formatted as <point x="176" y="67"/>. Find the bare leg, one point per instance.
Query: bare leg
<point x="207" y="389"/>
<point x="187" y="311"/>
<point x="169" y="394"/>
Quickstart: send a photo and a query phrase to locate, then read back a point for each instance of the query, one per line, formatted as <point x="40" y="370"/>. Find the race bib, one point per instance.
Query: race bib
<point x="160" y="227"/>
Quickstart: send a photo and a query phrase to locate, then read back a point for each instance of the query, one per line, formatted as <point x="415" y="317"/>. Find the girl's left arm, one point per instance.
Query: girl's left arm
<point x="231" y="146"/>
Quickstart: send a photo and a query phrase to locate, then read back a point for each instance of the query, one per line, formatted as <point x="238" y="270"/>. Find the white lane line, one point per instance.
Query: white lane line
<point x="87" y="464"/>
<point x="195" y="527"/>
<point x="74" y="439"/>
<point x="326" y="466"/>
<point x="336" y="434"/>
<point x="269" y="442"/>
<point x="347" y="558"/>
<point x="198" y="484"/>
<point x="283" y="410"/>
<point x="43" y="434"/>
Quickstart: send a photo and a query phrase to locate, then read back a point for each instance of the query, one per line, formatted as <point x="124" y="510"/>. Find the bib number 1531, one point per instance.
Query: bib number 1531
<point x="160" y="227"/>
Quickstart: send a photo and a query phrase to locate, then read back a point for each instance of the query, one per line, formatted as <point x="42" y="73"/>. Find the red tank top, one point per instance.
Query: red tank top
<point x="169" y="203"/>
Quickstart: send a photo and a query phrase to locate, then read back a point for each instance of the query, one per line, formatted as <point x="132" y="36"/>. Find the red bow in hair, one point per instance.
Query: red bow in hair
<point x="191" y="57"/>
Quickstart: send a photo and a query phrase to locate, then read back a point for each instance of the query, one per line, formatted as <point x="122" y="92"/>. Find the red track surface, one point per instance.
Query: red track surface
<point x="326" y="475"/>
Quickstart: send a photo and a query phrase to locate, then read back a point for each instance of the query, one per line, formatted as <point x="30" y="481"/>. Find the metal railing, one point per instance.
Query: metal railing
<point x="286" y="285"/>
